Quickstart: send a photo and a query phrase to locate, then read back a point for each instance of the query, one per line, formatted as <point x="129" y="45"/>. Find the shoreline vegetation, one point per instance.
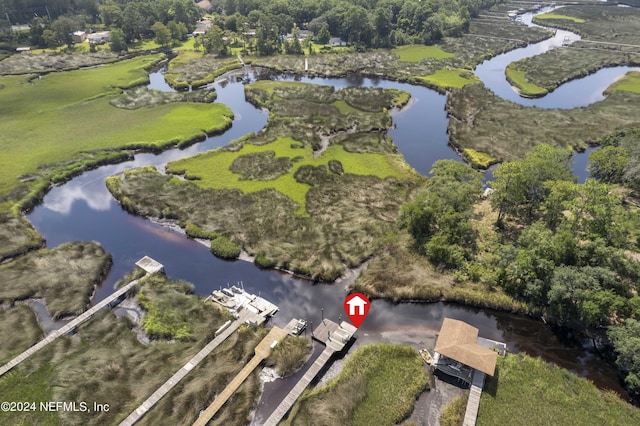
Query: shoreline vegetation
<point x="105" y="362"/>
<point x="82" y="145"/>
<point x="378" y="385"/>
<point x="610" y="37"/>
<point x="543" y="393"/>
<point x="314" y="215"/>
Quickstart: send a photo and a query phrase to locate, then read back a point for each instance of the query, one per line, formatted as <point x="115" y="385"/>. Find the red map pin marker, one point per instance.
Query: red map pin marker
<point x="356" y="305"/>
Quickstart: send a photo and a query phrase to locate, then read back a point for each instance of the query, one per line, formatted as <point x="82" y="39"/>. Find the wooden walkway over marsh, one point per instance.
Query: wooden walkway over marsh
<point x="245" y="315"/>
<point x="69" y="327"/>
<point x="473" y="403"/>
<point x="262" y="351"/>
<point x="336" y="338"/>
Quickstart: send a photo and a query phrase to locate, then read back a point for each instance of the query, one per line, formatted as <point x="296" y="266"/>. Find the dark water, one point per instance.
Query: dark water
<point x="83" y="210"/>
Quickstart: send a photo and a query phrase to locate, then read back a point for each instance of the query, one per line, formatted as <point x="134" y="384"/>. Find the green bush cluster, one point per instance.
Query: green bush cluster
<point x="225" y="248"/>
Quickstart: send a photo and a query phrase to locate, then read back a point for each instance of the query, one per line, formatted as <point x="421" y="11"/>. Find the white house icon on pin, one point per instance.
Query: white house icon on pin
<point x="356" y="302"/>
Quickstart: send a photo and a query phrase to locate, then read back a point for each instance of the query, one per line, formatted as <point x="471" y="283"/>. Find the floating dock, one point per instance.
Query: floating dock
<point x="335" y="336"/>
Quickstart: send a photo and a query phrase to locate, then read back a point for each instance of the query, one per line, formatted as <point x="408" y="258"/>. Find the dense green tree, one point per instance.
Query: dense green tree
<point x="626" y="342"/>
<point x="162" y="34"/>
<point x="64" y="28"/>
<point x="118" y="41"/>
<point x="609" y="163"/>
<point x="521" y="186"/>
<point x="213" y="41"/>
<point x="323" y="35"/>
<point x="438" y="218"/>
<point x="177" y="29"/>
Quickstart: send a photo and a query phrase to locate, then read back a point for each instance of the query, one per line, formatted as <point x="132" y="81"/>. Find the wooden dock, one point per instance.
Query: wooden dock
<point x="335" y="337"/>
<point x="262" y="351"/>
<point x="244" y="316"/>
<point x="473" y="403"/>
<point x="69" y="327"/>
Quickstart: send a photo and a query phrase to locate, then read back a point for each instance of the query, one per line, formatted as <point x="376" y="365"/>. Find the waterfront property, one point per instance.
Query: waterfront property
<point x="460" y="353"/>
<point x="335" y="336"/>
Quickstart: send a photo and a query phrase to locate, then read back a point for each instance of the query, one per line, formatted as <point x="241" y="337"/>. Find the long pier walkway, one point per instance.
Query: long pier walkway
<point x="473" y="403"/>
<point x="70" y="326"/>
<point x="335" y="337"/>
<point x="244" y="316"/>
<point x="262" y="351"/>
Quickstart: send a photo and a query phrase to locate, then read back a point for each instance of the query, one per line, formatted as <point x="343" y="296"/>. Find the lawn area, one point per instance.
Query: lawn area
<point x="56" y="117"/>
<point x="213" y="169"/>
<point x="544" y="394"/>
<point x="525" y="88"/>
<point x="451" y="78"/>
<point x="629" y="83"/>
<point x="560" y="17"/>
<point x="377" y="386"/>
<point x="418" y="52"/>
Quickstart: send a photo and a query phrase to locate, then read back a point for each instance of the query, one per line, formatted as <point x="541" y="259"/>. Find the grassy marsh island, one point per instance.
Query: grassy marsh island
<point x="64" y="277"/>
<point x="312" y="207"/>
<point x="50" y="107"/>
<point x="481" y="121"/>
<point x="447" y="64"/>
<point x="610" y="37"/>
<point x="378" y="385"/>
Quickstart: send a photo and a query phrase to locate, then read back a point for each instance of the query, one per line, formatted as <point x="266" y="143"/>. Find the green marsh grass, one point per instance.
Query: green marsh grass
<point x="418" y="52"/>
<point x="557" y="16"/>
<point x="451" y="78"/>
<point x="32" y="385"/>
<point x="483" y="122"/>
<point x="525" y="88"/>
<point x="478" y="159"/>
<point x="629" y="83"/>
<point x="310" y="212"/>
<point x="22" y="318"/>
<point x="77" y="102"/>
<point x="542" y="393"/>
<point x="289" y="355"/>
<point x="65" y="276"/>
<point x="378" y="385"/>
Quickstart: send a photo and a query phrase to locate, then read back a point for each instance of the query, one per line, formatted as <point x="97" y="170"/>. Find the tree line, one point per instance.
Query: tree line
<point x="563" y="248"/>
<point x="362" y="23"/>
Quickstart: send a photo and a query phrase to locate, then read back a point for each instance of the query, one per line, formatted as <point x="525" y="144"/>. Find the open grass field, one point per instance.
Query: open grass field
<point x="65" y="277"/>
<point x="542" y="393"/>
<point x="629" y="83"/>
<point x="378" y="385"/>
<point x="481" y="121"/>
<point x="104" y="362"/>
<point x="417" y="52"/>
<point x="283" y="195"/>
<point x="55" y="118"/>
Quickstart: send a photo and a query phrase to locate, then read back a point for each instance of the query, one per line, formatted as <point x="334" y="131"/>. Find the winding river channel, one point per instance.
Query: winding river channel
<point x="83" y="210"/>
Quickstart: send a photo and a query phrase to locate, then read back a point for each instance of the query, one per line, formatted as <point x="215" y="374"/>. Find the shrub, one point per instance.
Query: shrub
<point x="225" y="248"/>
